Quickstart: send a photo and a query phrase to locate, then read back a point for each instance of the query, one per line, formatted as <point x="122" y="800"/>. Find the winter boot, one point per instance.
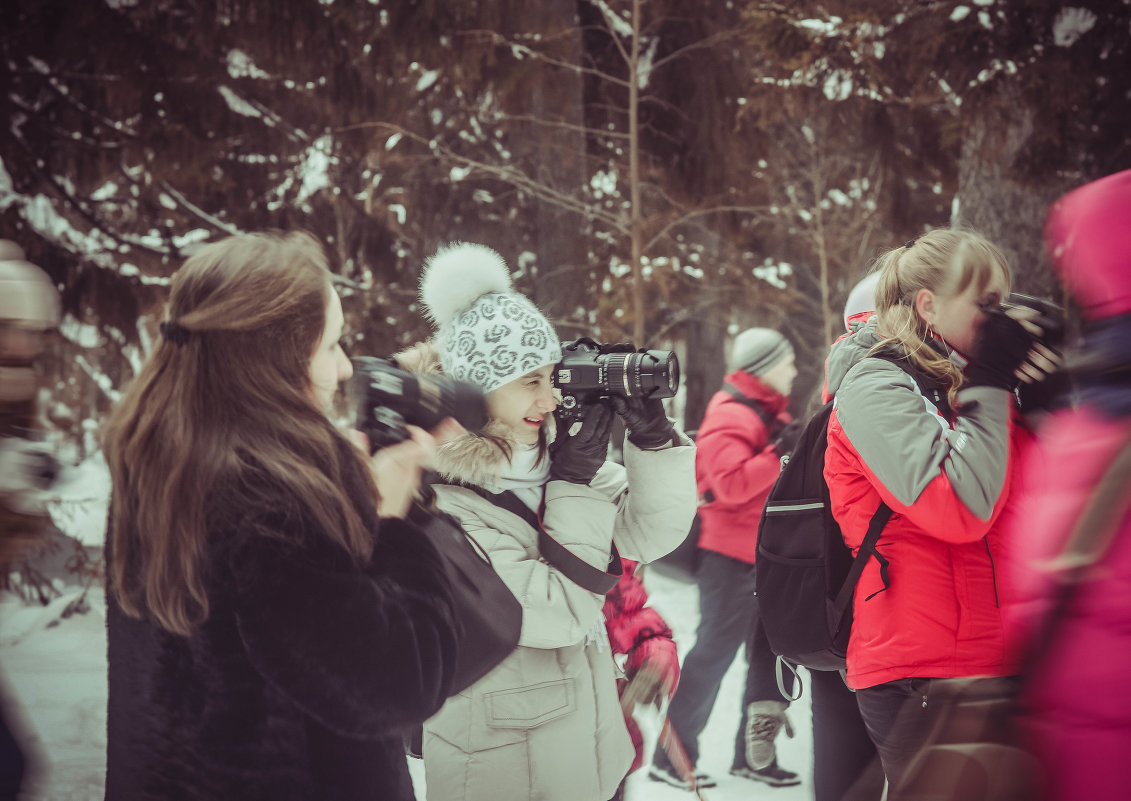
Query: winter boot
<point x="763" y="721"/>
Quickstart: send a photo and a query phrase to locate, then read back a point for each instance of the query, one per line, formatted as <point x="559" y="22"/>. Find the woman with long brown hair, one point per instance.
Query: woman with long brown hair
<point x="268" y="637"/>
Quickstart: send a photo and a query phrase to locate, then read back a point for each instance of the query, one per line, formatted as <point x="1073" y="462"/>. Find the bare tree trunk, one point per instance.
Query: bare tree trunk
<point x="704" y="365"/>
<point x="637" y="221"/>
<point x="994" y="198"/>
<point x="555" y="157"/>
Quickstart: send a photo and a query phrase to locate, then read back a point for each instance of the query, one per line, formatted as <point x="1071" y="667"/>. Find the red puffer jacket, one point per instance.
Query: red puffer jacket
<point x="735" y="461"/>
<point x="948" y="483"/>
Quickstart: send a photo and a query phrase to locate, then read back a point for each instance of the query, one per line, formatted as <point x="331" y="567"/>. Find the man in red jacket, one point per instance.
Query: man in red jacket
<point x="745" y="432"/>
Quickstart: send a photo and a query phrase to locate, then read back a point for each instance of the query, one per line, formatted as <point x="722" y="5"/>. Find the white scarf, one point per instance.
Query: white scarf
<point x="521" y="476"/>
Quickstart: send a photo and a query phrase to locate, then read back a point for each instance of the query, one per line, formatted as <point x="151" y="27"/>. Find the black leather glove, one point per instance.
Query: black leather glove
<point x="1046" y="386"/>
<point x="787" y="438"/>
<point x="999" y="349"/>
<point x="577" y="458"/>
<point x="647" y="423"/>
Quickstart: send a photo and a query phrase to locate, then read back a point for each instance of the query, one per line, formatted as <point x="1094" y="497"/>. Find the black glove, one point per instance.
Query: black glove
<point x="577" y="458"/>
<point x="787" y="438"/>
<point x="1047" y="386"/>
<point x="999" y="349"/>
<point x="647" y="423"/>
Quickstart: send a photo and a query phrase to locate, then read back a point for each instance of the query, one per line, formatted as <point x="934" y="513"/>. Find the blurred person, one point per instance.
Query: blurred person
<point x="745" y="432"/>
<point x="546" y="722"/>
<point x="651" y="667"/>
<point x="273" y="622"/>
<point x="1077" y="718"/>
<point x="29" y="309"/>
<point x="932" y="431"/>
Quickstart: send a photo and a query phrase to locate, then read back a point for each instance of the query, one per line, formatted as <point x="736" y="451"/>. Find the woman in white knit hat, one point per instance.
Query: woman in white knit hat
<point x="545" y="723"/>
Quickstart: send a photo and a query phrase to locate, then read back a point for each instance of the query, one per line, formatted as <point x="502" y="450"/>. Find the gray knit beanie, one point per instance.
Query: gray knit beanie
<point x="756" y="350"/>
<point x="486" y="332"/>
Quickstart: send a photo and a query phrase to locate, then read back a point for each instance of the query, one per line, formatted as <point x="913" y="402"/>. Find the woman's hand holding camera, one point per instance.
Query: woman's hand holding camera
<point x="397" y="468"/>
<point x="1016" y="348"/>
<point x="648" y="425"/>
<point x="581" y="445"/>
<point x="1001" y="348"/>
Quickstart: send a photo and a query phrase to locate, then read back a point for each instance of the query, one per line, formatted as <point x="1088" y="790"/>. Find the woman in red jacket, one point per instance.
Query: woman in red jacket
<point x="928" y="429"/>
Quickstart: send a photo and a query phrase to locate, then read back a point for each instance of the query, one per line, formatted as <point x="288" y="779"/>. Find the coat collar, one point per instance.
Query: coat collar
<point x="754" y="388"/>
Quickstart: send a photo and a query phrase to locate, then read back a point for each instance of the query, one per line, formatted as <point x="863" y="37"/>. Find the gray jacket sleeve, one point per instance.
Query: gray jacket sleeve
<point x="907" y="445"/>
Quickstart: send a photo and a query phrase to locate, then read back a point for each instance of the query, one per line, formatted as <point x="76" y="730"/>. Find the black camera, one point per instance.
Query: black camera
<point x="590" y="371"/>
<point x="1049" y="317"/>
<point x="386" y="399"/>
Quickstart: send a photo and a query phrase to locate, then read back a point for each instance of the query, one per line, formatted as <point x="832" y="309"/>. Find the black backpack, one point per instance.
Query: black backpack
<point x="805" y="575"/>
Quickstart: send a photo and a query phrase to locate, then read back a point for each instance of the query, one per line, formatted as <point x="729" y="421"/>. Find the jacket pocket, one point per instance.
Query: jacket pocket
<point x="531" y="706"/>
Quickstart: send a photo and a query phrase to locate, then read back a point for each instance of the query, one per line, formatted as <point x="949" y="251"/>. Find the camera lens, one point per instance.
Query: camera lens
<point x="651" y="374"/>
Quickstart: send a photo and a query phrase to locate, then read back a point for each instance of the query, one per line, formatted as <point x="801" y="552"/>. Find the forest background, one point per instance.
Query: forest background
<point x="662" y="171"/>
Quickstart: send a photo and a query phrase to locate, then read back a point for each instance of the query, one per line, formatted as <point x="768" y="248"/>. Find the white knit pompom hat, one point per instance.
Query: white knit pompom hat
<point x="486" y="332"/>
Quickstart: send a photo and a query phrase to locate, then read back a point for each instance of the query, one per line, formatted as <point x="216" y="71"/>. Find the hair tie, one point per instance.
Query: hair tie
<point x="909" y="243"/>
<point x="174" y="332"/>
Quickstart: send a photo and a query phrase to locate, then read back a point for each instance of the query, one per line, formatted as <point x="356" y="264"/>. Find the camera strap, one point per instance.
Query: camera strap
<point x="569" y="564"/>
<point x="770" y="421"/>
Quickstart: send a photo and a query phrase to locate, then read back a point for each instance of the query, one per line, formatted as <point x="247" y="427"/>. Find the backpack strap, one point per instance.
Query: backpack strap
<point x="556" y="555"/>
<point x="769" y="420"/>
<point x="843" y="603"/>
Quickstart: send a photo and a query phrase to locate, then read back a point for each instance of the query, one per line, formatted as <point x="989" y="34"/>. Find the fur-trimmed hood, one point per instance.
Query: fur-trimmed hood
<point x="473" y="458"/>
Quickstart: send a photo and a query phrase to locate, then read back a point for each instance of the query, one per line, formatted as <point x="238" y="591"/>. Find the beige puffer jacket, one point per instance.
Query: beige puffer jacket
<point x="546" y="723"/>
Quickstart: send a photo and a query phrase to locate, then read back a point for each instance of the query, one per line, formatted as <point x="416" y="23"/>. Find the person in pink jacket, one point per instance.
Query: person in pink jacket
<point x="1079" y="710"/>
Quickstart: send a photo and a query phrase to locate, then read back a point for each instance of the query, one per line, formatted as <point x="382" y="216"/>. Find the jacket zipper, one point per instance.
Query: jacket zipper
<point x="993" y="570"/>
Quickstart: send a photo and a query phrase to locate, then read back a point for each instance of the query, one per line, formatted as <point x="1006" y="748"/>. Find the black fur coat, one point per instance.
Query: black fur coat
<point x="300" y="682"/>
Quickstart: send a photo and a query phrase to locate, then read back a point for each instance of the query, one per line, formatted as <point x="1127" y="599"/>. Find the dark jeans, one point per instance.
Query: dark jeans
<point x="898" y="718"/>
<point x="728" y="619"/>
<point x="845" y="764"/>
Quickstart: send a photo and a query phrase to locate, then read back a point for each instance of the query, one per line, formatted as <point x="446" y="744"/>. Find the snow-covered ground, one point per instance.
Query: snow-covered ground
<point x="53" y="670"/>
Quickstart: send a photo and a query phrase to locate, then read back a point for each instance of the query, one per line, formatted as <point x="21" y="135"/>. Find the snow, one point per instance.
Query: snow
<point x="427" y="79"/>
<point x="838" y="85"/>
<point x="241" y="65"/>
<point x="81" y="502"/>
<point x="1070" y="24"/>
<point x="55" y="669"/>
<point x="237" y="103"/>
<point x="617" y="25"/>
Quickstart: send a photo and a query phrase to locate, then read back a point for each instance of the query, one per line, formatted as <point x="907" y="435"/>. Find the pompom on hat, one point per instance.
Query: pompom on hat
<point x="756" y="350"/>
<point x="486" y="332"/>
